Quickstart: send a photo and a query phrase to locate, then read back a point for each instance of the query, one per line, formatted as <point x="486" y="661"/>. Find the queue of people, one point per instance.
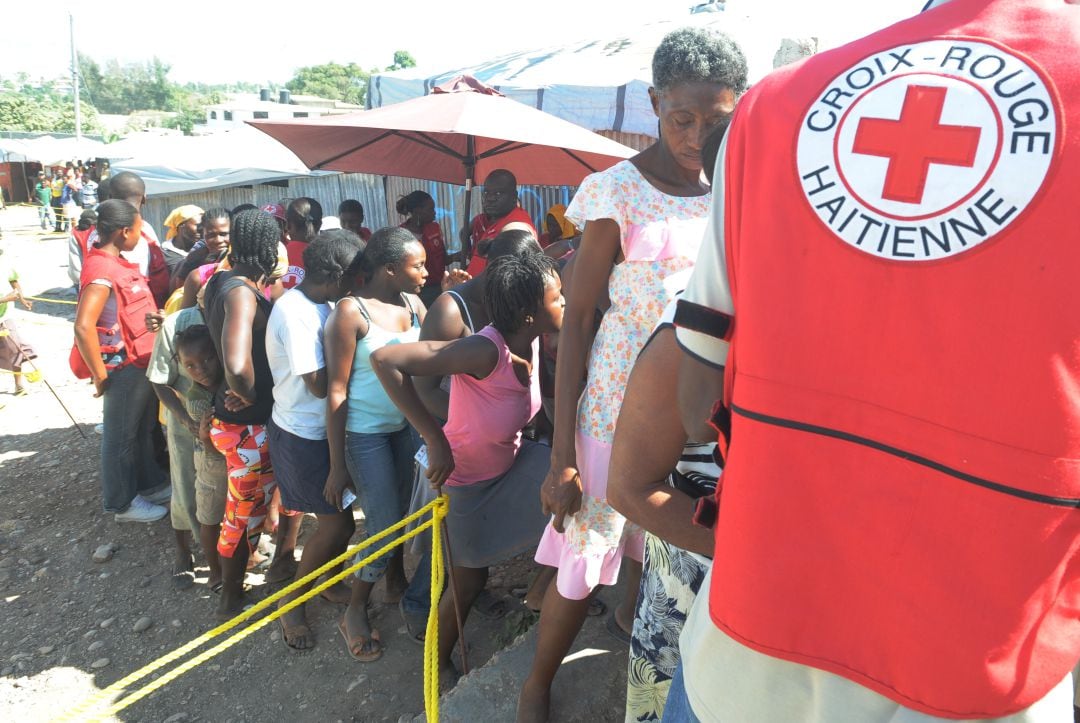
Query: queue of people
<point x="303" y="370"/>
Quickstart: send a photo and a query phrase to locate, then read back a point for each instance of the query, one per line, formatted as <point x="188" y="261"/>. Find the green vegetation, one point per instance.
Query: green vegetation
<point x="112" y="88"/>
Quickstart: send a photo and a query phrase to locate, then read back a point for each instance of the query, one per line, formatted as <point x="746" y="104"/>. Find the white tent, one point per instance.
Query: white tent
<point x="602" y="84"/>
<point x="49" y="150"/>
<point x="188" y="164"/>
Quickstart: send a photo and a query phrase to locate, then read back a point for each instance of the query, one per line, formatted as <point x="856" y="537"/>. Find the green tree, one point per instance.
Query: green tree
<point x="402" y="59"/>
<point x="331" y="80"/>
<point x="19" y="112"/>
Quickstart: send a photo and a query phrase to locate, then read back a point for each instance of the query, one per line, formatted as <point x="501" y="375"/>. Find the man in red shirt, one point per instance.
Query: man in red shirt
<point x="499" y="200"/>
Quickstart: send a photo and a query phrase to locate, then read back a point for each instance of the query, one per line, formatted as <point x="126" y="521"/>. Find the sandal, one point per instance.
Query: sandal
<point x="285" y="637"/>
<point x="490" y="607"/>
<point x="415" y="624"/>
<point x="183" y="579"/>
<point x="216" y="587"/>
<point x="372" y="645"/>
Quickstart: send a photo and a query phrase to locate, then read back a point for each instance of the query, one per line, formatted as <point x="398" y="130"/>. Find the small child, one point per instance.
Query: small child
<point x="198" y="358"/>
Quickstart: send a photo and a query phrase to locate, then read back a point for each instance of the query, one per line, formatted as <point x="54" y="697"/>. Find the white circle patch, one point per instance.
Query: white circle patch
<point x="925" y="151"/>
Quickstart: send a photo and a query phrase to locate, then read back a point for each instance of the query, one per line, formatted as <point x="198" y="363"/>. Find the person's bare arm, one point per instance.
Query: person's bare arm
<point x="91" y="304"/>
<point x="396" y="365"/>
<point x="316" y="383"/>
<point x="648" y="442"/>
<point x="339" y="340"/>
<point x="191" y="290"/>
<point x="171" y="400"/>
<point x="236" y="339"/>
<point x="700" y="386"/>
<point x="560" y="494"/>
<point x="442" y="323"/>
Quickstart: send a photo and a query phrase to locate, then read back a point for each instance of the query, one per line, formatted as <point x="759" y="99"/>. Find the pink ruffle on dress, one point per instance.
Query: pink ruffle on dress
<point x="660" y="236"/>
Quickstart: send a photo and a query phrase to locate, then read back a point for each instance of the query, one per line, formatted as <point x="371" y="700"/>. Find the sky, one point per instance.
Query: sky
<point x="220" y="41"/>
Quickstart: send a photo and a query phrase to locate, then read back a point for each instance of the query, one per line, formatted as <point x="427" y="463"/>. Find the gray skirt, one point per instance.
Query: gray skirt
<point x="492" y="521"/>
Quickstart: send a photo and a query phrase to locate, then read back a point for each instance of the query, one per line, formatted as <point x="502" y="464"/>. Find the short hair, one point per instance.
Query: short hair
<point x="104" y="190"/>
<point x="351" y="205"/>
<point x="114" y="215"/>
<point x="407" y="204"/>
<point x="214" y="214"/>
<point x="128" y="186"/>
<point x="503" y="173"/>
<point x="331" y="255"/>
<point x="190" y="336"/>
<point x="243" y="207"/>
<point x="254" y="237"/>
<point x="305" y="213"/>
<point x="514" y="242"/>
<point x="386" y="248"/>
<point x="697" y="55"/>
<point x="515" y="288"/>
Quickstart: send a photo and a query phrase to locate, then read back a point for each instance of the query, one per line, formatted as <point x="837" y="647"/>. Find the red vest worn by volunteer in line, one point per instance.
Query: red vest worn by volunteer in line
<point x="133" y="301"/>
<point x="899" y="504"/>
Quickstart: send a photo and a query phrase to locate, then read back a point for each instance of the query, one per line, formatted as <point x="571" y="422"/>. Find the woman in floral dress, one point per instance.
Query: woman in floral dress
<point x="643" y="221"/>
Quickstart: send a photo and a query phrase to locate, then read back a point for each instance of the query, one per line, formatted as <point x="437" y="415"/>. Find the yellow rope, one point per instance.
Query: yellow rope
<point x="436" y="507"/>
<point x="52" y="301"/>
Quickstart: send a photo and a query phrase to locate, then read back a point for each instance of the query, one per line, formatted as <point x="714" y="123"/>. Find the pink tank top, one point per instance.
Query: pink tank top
<point x="486" y="415"/>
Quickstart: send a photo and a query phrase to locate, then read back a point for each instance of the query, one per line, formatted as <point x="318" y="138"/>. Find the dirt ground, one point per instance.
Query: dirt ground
<point x="67" y="624"/>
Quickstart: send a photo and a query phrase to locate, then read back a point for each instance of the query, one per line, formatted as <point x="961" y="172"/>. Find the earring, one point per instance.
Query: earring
<point x="528" y="319"/>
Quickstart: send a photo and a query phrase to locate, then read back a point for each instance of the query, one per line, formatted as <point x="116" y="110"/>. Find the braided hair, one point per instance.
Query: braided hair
<point x="305" y="213"/>
<point x="254" y="237"/>
<point x="387" y="247"/>
<point x="216" y="213"/>
<point x="515" y="289"/>
<point x="331" y="256"/>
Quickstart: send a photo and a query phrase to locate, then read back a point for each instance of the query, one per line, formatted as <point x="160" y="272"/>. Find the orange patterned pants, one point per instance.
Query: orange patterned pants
<point x="251" y="481"/>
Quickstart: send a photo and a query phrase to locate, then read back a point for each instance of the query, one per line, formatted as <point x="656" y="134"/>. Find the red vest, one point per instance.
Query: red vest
<point x="295" y="274"/>
<point x="133" y="301"/>
<point x="486" y="229"/>
<point x="901" y="490"/>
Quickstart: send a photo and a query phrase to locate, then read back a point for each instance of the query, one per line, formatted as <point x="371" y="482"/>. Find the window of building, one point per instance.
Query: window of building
<point x="228" y="115"/>
<point x="213" y="115"/>
<point x="300" y="114"/>
<point x="261" y="115"/>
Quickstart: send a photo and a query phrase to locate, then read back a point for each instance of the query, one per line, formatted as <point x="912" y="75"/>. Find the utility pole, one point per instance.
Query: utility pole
<point x="75" y="80"/>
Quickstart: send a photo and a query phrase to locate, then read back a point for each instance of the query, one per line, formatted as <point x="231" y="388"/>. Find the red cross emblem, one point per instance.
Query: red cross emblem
<point x="915" y="141"/>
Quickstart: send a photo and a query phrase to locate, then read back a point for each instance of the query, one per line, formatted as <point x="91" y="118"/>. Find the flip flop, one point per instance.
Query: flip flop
<point x="183" y="579"/>
<point x="285" y="639"/>
<point x="372" y="655"/>
<point x="613" y="628"/>
<point x="596" y="606"/>
<point x="415" y="623"/>
<point x="490" y="607"/>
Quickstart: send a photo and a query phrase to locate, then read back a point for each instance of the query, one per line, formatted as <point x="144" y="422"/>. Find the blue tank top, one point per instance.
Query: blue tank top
<point x="370" y="410"/>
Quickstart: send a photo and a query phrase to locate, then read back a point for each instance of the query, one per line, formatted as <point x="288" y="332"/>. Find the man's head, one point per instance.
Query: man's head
<point x="351" y="215"/>
<point x="499" y="194"/>
<point x="129" y="187"/>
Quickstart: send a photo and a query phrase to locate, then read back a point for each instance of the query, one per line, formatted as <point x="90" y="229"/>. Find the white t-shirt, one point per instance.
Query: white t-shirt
<point x="727" y="681"/>
<point x="294" y="346"/>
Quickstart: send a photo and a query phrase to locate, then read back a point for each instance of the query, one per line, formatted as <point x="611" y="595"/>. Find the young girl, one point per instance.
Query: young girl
<point x="197" y="357"/>
<point x="419" y="208"/>
<point x="297" y="429"/>
<point x="303" y="219"/>
<point x="371" y="445"/>
<point x="115" y="345"/>
<point x="491" y="475"/>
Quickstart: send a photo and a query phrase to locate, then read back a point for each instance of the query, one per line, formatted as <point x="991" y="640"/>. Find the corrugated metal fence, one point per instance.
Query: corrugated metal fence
<point x="378" y="196"/>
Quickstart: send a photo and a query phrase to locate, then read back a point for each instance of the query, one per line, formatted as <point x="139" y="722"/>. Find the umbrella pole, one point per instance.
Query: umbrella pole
<point x="470" y="173"/>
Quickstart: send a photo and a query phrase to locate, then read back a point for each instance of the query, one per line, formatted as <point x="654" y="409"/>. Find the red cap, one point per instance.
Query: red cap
<point x="275" y="209"/>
